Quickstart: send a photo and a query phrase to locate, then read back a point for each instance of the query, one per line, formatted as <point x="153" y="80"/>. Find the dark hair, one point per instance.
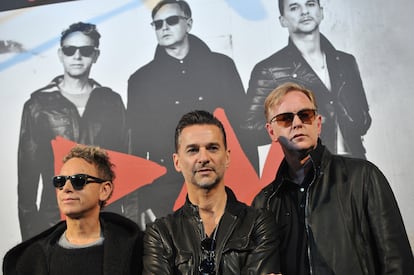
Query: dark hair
<point x="182" y="4"/>
<point x="282" y="6"/>
<point x="198" y="117"/>
<point x="97" y="157"/>
<point x="86" y="28"/>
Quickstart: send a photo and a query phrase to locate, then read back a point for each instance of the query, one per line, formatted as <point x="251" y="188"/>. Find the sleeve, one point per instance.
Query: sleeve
<point x="120" y="142"/>
<point x="260" y="85"/>
<point x="138" y="114"/>
<point x="157" y="257"/>
<point x="25" y="258"/>
<point x="28" y="172"/>
<point x="386" y="224"/>
<point x="353" y="109"/>
<point x="265" y="258"/>
<point x="252" y="128"/>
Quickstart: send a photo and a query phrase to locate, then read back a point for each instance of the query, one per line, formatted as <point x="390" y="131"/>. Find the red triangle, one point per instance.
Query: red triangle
<point x="131" y="172"/>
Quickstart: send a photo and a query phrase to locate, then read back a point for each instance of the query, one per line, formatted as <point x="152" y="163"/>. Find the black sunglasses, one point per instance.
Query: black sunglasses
<point x="85" y="51"/>
<point x="78" y="181"/>
<point x="171" y="21"/>
<point x="285" y="120"/>
<point x="207" y="265"/>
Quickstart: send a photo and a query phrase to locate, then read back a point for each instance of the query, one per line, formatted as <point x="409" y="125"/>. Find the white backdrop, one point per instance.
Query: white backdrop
<point x="377" y="32"/>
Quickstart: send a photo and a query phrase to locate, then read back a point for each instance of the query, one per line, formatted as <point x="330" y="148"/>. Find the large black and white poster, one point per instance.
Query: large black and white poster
<point x="375" y="34"/>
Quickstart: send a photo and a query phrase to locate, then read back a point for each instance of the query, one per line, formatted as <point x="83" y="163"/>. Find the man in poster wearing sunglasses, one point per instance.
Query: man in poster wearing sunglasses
<point x="213" y="233"/>
<point x="72" y="106"/>
<point x="184" y="75"/>
<point x="88" y="241"/>
<point x="337" y="214"/>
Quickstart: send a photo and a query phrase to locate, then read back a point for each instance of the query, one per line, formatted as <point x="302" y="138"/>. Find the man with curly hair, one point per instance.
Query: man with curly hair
<point x="88" y="241"/>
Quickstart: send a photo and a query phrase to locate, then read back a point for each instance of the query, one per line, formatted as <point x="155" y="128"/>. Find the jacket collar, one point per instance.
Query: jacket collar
<point x="197" y="50"/>
<point x="53" y="86"/>
<point x="326" y="46"/>
<point x="318" y="157"/>
<point x="233" y="206"/>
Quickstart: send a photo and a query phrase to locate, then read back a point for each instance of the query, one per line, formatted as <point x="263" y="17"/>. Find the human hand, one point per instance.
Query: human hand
<point x="287" y="144"/>
<point x="292" y="149"/>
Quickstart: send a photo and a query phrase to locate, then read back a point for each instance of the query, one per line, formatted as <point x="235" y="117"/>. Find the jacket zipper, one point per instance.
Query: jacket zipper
<point x="315" y="175"/>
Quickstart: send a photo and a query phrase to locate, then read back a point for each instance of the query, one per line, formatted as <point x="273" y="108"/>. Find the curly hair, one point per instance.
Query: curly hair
<point x="87" y="29"/>
<point x="97" y="157"/>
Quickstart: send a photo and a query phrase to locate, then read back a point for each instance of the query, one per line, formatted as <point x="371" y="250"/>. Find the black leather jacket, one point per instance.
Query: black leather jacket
<point x="122" y="249"/>
<point x="46" y="115"/>
<point x="345" y="105"/>
<point x="247" y="241"/>
<point x="351" y="217"/>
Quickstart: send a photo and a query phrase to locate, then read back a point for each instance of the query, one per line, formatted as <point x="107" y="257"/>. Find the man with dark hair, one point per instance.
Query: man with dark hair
<point x="184" y="74"/>
<point x="88" y="241"/>
<point x="311" y="60"/>
<point x="213" y="233"/>
<point x="72" y="106"/>
<point x="337" y="214"/>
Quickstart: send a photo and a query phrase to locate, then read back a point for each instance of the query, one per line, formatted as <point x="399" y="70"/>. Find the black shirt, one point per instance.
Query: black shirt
<point x="79" y="261"/>
<point x="294" y="244"/>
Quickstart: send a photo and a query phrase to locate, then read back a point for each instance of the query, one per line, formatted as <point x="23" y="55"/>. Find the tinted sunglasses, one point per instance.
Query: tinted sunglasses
<point x="78" y="181"/>
<point x="207" y="265"/>
<point x="285" y="120"/>
<point x="85" y="51"/>
<point x="171" y="21"/>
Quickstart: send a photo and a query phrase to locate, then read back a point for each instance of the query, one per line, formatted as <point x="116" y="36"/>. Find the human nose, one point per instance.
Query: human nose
<point x="77" y="54"/>
<point x="304" y="10"/>
<point x="164" y="25"/>
<point x="67" y="187"/>
<point x="296" y="121"/>
<point x="203" y="156"/>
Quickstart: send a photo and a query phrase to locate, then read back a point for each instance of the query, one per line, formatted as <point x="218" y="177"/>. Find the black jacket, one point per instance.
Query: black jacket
<point x="122" y="249"/>
<point x="247" y="241"/>
<point x="351" y="217"/>
<point x="46" y="115"/>
<point x="159" y="93"/>
<point x="344" y="106"/>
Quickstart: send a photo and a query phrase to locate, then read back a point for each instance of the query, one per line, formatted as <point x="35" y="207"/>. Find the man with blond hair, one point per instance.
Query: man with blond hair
<point x="337" y="214"/>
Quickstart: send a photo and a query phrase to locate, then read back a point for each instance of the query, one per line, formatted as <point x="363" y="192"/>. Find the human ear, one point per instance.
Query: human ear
<point x="176" y="160"/>
<point x="282" y="21"/>
<point x="271" y="132"/>
<point x="106" y="191"/>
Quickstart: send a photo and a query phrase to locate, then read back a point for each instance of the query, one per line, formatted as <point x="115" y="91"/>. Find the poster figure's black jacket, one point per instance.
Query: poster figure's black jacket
<point x="160" y="92"/>
<point x="122" y="249"/>
<point x="247" y="241"/>
<point x="344" y="106"/>
<point x="47" y="115"/>
<point x="351" y="217"/>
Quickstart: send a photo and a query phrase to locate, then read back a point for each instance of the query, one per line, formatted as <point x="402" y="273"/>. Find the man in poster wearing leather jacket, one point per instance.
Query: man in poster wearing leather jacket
<point x="311" y="60"/>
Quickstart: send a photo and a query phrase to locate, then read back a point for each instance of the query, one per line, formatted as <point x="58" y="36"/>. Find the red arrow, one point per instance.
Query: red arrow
<point x="131" y="172"/>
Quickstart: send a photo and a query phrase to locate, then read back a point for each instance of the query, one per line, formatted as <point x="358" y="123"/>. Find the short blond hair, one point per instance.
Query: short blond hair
<point x="96" y="156"/>
<point x="276" y="95"/>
